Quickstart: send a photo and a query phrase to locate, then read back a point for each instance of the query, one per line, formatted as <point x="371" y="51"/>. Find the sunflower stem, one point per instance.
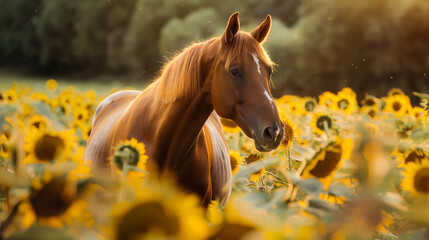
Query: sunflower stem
<point x="326" y="127"/>
<point x="125" y="158"/>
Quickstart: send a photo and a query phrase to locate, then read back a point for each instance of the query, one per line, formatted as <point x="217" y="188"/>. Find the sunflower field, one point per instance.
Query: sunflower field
<point x="353" y="170"/>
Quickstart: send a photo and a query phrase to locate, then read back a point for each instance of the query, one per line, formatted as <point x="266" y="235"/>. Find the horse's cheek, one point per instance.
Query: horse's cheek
<point x="223" y="100"/>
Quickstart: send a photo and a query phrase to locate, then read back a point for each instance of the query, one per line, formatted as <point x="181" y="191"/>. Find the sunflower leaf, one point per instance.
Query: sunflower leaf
<point x="420" y="135"/>
<point x="254" y="167"/>
<point x="322" y="204"/>
<point x="311" y="185"/>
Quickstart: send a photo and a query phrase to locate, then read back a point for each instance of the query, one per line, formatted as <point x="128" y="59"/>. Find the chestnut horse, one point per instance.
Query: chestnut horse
<point x="176" y="117"/>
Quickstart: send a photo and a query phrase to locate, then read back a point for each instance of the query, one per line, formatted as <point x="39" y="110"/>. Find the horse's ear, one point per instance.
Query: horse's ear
<point x="260" y="33"/>
<point x="232" y="28"/>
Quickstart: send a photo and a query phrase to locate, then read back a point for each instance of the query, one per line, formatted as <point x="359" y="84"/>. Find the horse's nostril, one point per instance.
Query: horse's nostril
<point x="268" y="134"/>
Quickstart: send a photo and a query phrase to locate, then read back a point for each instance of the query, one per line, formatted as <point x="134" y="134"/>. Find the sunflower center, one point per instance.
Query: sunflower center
<point x="421" y="180"/>
<point x="325" y="166"/>
<point x="343" y="104"/>
<point x="126" y="153"/>
<point x="228" y="123"/>
<point x="52" y="199"/>
<point x="396" y="106"/>
<point x="309" y="106"/>
<point x="369" y="102"/>
<point x="37" y="124"/>
<point x="322" y="121"/>
<point x="252" y="158"/>
<point x="147" y="217"/>
<point x="371" y="113"/>
<point x="48" y="147"/>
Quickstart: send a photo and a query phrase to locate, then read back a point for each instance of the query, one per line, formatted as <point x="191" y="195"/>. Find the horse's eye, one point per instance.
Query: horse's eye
<point x="235" y="73"/>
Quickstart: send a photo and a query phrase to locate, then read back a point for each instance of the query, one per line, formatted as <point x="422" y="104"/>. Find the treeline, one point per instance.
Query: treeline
<point x="370" y="45"/>
<point x="113" y="35"/>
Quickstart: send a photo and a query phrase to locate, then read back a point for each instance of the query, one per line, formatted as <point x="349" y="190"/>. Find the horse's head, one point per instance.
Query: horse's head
<point x="240" y="90"/>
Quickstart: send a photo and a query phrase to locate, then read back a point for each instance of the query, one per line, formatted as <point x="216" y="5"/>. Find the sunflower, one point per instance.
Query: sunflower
<point x="290" y="131"/>
<point x="55" y="204"/>
<point x="321" y="122"/>
<point x="345" y="102"/>
<point x="91" y="94"/>
<point x="325" y="162"/>
<point x="395" y="92"/>
<point x="295" y="108"/>
<point x="235" y="161"/>
<point x="369" y="100"/>
<point x="326" y="99"/>
<point x="80" y="116"/>
<point x="309" y="104"/>
<point x="46" y="146"/>
<point x="11" y="96"/>
<point x="77" y="102"/>
<point x="416" y="112"/>
<point x="51" y="84"/>
<point x="86" y="130"/>
<point x="158" y="211"/>
<point x="229" y="126"/>
<point x="398" y="104"/>
<point x="4" y="146"/>
<point x="371" y="111"/>
<point x="38" y="121"/>
<point x="256" y="176"/>
<point x="416" y="178"/>
<point x="130" y="153"/>
<point x="347" y="91"/>
<point x="65" y="100"/>
<point x="284" y="99"/>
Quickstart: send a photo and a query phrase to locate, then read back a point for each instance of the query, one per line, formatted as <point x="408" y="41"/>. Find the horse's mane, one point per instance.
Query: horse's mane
<point x="180" y="77"/>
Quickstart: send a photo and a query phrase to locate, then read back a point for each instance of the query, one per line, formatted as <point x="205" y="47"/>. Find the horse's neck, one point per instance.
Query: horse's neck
<point x="178" y="125"/>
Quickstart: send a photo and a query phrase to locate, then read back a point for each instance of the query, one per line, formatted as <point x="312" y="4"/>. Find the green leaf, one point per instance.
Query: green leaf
<point x="420" y="135"/>
<point x="311" y="185"/>
<point x="254" y="167"/>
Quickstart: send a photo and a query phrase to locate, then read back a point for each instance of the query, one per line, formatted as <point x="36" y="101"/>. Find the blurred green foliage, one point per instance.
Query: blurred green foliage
<point x="369" y="45"/>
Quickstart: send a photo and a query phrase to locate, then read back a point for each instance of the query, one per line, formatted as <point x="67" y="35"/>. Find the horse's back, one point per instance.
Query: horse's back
<point x="106" y="115"/>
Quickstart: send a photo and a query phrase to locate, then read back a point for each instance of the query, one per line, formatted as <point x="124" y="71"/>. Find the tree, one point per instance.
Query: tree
<point x="198" y="25"/>
<point x="368" y="45"/>
<point x="18" y="41"/>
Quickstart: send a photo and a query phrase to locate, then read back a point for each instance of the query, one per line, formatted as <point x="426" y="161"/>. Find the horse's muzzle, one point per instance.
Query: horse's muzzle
<point x="269" y="138"/>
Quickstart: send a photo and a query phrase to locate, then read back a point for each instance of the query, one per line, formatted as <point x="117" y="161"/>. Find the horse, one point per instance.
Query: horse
<point x="177" y="115"/>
